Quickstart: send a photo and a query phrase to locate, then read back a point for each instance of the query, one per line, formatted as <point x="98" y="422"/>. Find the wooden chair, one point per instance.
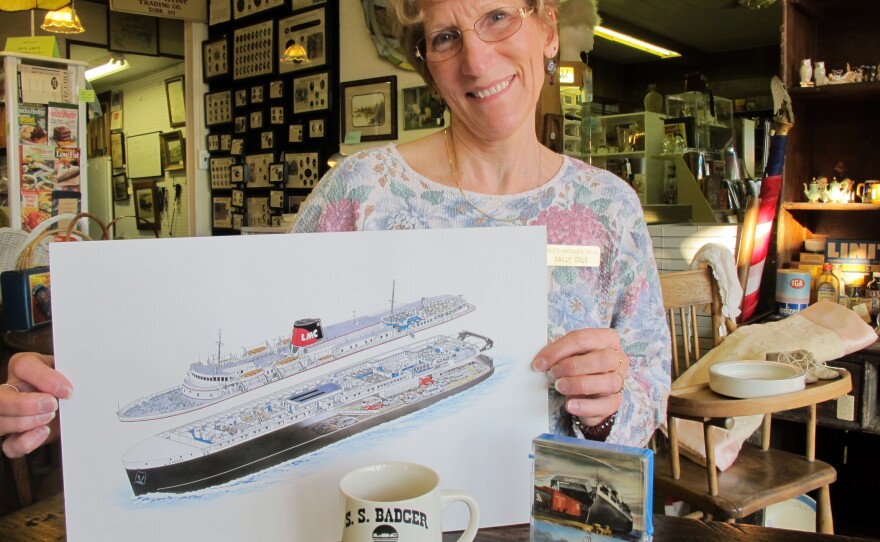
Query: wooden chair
<point x="760" y="476"/>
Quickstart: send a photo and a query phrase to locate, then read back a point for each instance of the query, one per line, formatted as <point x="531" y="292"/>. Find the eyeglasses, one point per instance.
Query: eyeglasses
<point x="496" y="25"/>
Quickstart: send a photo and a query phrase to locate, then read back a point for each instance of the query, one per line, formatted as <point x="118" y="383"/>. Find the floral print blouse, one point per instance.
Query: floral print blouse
<point x="581" y="205"/>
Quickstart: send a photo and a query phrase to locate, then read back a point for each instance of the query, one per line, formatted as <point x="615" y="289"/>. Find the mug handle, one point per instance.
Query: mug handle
<point x="860" y="188"/>
<point x="449" y="496"/>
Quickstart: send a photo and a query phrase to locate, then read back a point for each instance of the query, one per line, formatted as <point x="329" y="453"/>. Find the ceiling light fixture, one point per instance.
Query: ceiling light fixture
<point x="117" y="63"/>
<point x="635" y="43"/>
<point x="63" y="21"/>
<point x="295" y="54"/>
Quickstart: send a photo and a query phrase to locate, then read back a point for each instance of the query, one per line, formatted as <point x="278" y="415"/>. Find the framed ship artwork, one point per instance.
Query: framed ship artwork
<point x="386" y="346"/>
<point x="588" y="490"/>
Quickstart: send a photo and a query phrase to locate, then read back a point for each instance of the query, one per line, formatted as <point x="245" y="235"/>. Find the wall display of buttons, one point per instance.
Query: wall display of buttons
<point x="276" y="114"/>
<point x="305" y="29"/>
<point x="276" y="199"/>
<point x="256" y="120"/>
<point x="218" y="108"/>
<point x="215" y="58"/>
<point x="258" y="211"/>
<point x="252" y="51"/>
<point x="301" y="4"/>
<point x="241" y="98"/>
<point x="222" y="211"/>
<point x="311" y="93"/>
<point x="219" y="171"/>
<point x="241" y="124"/>
<point x="219" y="11"/>
<point x="238" y="174"/>
<point x="258" y="164"/>
<point x="244" y="8"/>
<point x="237" y="148"/>
<point x="257" y="94"/>
<point x="238" y="198"/>
<point x="225" y="142"/>
<point x="302" y="169"/>
<point x="277" y="172"/>
<point x="212" y="142"/>
<point x="237" y="221"/>
<point x="267" y="140"/>
<point x="295" y="133"/>
<point x="316" y="128"/>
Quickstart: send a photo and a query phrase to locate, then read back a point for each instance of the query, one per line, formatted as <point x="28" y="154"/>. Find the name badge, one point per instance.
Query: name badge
<point x="572" y="256"/>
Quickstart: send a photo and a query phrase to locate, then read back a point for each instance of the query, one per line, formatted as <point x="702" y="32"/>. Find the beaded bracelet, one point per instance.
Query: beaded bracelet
<point x="594" y="432"/>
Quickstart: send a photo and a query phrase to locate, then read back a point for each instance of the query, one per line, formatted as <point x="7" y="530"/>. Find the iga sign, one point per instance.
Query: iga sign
<point x="192" y="10"/>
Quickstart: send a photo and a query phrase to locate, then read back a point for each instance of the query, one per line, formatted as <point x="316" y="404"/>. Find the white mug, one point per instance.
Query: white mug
<point x="399" y="501"/>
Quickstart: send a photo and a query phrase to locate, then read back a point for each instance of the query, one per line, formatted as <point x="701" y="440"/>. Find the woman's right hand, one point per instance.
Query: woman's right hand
<point x="28" y="417"/>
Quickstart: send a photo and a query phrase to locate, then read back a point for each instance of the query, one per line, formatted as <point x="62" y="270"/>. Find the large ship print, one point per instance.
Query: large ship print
<point x="308" y="416"/>
<point x="310" y="345"/>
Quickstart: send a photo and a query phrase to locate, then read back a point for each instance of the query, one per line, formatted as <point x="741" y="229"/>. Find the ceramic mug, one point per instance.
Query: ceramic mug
<point x="399" y="501"/>
<point x="869" y="191"/>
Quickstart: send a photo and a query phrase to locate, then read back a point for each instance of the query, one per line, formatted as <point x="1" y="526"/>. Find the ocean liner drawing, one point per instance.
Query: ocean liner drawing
<point x="310" y="415"/>
<point x="310" y="345"/>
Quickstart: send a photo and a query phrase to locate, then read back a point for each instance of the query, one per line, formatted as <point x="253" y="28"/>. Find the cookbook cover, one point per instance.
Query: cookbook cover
<point x="32" y="124"/>
<point x="588" y="490"/>
<point x="63" y="119"/>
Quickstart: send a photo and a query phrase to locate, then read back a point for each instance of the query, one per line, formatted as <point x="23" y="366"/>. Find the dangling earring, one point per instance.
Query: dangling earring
<point x="551" y="69"/>
<point x="442" y="108"/>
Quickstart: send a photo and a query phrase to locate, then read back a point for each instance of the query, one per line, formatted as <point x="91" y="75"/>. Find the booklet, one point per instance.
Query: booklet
<point x="588" y="490"/>
<point x="63" y="120"/>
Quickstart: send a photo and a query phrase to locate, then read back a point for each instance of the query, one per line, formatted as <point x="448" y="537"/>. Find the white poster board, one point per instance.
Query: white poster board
<point x="144" y="155"/>
<point x="133" y="326"/>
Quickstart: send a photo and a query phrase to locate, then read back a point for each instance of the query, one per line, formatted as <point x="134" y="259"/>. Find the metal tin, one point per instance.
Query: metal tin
<point x="792" y="291"/>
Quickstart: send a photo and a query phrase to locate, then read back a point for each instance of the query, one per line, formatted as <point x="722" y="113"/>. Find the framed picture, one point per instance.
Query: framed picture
<point x="240" y="125"/>
<point x="237" y="148"/>
<point x="421" y="109"/>
<point x="267" y="140"/>
<point x="277" y="172"/>
<point x="305" y="29"/>
<point x="219" y="11"/>
<point x="238" y="173"/>
<point x="132" y="33"/>
<point x="369" y="107"/>
<point x="120" y="187"/>
<point x="173" y="151"/>
<point x="311" y="93"/>
<point x="276" y="90"/>
<point x="222" y="212"/>
<point x="213" y="142"/>
<point x="225" y="142"/>
<point x="144" y="155"/>
<point x="215" y="58"/>
<point x="117" y="150"/>
<point x="146" y="205"/>
<point x="257" y="94"/>
<point x="176" y="103"/>
<point x="218" y="108"/>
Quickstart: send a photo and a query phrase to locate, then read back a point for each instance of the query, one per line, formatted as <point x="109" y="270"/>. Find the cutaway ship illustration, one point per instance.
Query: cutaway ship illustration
<point x="308" y="416"/>
<point x="309" y="346"/>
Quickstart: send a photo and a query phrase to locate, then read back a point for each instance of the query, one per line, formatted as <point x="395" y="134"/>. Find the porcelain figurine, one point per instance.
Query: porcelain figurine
<point x="806" y="72"/>
<point x="812" y="192"/>
<point x="819" y="74"/>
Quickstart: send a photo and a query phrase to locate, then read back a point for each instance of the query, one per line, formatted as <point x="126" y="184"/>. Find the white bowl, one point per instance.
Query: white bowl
<point x="815" y="244"/>
<point x="750" y="379"/>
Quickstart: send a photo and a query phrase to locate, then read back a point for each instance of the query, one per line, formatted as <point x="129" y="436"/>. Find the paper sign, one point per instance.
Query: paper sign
<point x="34" y="45"/>
<point x="191" y="10"/>
<point x="86" y="95"/>
<point x="352" y="138"/>
<point x="572" y="256"/>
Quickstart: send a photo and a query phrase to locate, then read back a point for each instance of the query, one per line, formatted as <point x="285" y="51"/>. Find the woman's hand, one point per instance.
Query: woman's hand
<point x="590" y="368"/>
<point x="29" y="416"/>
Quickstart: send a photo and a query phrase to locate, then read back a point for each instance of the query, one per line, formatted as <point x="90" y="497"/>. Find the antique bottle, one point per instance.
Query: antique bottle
<point x="653" y="100"/>
<point x="827" y="285"/>
<point x="872" y="291"/>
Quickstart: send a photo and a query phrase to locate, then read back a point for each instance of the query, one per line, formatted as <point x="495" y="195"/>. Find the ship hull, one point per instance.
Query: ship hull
<point x="273" y="448"/>
<point x="605" y="513"/>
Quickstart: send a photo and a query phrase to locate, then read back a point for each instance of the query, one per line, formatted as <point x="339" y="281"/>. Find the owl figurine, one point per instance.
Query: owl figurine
<point x="819" y="74"/>
<point x="806" y="72"/>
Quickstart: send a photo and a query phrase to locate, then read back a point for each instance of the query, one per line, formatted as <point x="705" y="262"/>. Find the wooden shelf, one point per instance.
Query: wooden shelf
<point x="867" y="90"/>
<point x="807" y="206"/>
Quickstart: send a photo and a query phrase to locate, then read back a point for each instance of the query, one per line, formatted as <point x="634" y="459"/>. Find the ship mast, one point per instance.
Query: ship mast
<point x="393" y="282"/>
<point x="219" y="344"/>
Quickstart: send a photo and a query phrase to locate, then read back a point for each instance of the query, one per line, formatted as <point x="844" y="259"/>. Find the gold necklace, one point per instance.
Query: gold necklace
<point x="450" y="159"/>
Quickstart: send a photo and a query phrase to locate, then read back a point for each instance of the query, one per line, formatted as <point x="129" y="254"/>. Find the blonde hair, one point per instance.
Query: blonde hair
<point x="408" y="17"/>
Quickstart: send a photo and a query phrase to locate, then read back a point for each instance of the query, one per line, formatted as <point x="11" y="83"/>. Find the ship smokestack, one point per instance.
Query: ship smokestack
<point x="306" y="332"/>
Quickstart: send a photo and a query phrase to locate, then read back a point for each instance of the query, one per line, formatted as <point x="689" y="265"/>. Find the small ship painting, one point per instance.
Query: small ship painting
<point x="310" y="415"/>
<point x="310" y="345"/>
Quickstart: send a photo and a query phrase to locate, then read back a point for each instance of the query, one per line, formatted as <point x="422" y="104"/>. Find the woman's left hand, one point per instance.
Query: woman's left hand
<point x="590" y="368"/>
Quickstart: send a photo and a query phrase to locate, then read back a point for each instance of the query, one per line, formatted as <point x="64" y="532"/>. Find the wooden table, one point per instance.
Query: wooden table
<point x="44" y="521"/>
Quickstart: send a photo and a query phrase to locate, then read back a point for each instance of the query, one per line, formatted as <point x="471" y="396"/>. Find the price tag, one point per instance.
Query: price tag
<point x="846" y="408"/>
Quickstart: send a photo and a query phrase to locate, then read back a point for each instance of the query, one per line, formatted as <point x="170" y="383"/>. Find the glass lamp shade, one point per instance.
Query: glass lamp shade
<point x="295" y="54"/>
<point x="63" y="21"/>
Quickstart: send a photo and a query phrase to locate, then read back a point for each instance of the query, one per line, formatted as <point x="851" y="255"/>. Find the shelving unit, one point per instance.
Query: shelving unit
<point x="644" y="163"/>
<point x="42" y="202"/>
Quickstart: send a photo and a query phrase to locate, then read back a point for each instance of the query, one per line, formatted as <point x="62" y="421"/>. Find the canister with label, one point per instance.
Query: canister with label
<point x="792" y="291"/>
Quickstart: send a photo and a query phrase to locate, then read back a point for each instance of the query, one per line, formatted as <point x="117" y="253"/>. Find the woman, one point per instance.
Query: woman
<point x="609" y="347"/>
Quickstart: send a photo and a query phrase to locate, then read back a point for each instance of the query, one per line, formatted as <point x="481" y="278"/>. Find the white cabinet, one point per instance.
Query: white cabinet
<point x="46" y="137"/>
<point x="629" y="145"/>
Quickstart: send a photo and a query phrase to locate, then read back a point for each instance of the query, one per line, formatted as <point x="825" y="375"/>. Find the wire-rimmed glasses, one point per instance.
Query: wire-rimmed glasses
<point x="496" y="25"/>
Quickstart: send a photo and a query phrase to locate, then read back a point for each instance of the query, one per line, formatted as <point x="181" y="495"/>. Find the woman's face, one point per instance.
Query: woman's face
<point x="490" y="88"/>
